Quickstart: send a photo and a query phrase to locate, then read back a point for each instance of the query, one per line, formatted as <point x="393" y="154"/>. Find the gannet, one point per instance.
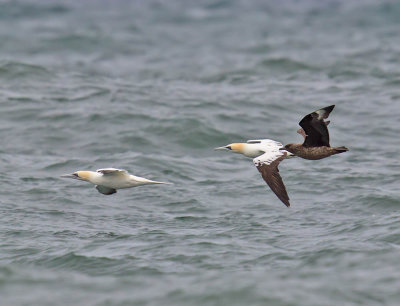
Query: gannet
<point x="267" y="155"/>
<point x="108" y="180"/>
<point x="316" y="137"/>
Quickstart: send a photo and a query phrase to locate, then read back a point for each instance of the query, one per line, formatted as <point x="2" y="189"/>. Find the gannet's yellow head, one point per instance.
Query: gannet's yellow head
<point x="78" y="175"/>
<point x="234" y="147"/>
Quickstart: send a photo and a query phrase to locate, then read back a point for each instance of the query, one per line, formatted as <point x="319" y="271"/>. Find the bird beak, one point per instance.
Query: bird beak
<point x="72" y="175"/>
<point x="282" y="149"/>
<point x="223" y="148"/>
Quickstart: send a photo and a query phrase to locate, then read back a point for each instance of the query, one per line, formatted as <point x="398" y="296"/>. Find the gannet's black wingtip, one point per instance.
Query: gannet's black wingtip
<point x="105" y="190"/>
<point x="270" y="173"/>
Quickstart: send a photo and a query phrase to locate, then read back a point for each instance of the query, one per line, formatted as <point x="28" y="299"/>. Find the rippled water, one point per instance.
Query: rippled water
<point x="153" y="87"/>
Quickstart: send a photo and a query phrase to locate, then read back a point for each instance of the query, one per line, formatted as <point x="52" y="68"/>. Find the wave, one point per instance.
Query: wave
<point x="19" y="10"/>
<point x="15" y="69"/>
<point x="286" y="64"/>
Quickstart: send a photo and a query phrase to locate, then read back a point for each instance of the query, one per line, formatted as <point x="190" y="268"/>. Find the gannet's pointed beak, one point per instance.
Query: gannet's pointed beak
<point x="223" y="148"/>
<point x="79" y="175"/>
<point x="72" y="175"/>
<point x="288" y="154"/>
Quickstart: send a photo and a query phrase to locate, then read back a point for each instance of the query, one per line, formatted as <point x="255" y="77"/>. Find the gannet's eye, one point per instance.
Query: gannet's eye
<point x="229" y="147"/>
<point x="75" y="174"/>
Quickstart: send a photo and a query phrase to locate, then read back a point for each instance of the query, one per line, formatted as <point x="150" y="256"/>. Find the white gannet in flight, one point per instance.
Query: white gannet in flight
<point x="267" y="155"/>
<point x="108" y="180"/>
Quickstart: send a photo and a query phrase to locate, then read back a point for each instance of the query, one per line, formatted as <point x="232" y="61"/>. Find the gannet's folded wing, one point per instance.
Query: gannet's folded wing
<point x="268" y="142"/>
<point x="105" y="190"/>
<point x="267" y="165"/>
<point x="111" y="171"/>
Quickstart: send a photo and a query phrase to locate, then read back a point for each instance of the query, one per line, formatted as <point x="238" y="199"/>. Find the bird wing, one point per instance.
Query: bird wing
<point x="267" y="142"/>
<point x="105" y="190"/>
<point x="267" y="165"/>
<point x="315" y="127"/>
<point x="111" y="171"/>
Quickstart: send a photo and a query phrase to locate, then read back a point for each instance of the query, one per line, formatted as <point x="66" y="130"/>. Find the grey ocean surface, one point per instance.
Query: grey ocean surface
<point x="153" y="87"/>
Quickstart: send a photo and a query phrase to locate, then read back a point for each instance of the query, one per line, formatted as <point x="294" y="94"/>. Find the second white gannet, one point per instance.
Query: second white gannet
<point x="108" y="180"/>
<point x="267" y="155"/>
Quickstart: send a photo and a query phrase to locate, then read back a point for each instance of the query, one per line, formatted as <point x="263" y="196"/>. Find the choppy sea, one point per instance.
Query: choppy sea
<point x="152" y="87"/>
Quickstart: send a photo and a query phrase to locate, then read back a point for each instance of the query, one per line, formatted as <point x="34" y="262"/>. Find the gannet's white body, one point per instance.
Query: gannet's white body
<point x="108" y="180"/>
<point x="256" y="147"/>
<point x="266" y="154"/>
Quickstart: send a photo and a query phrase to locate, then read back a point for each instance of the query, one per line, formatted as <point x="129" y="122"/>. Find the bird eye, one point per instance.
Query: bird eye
<point x="229" y="147"/>
<point x="75" y="174"/>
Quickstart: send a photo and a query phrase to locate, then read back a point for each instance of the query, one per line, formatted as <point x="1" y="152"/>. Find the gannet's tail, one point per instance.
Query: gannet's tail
<point x="155" y="182"/>
<point x="144" y="181"/>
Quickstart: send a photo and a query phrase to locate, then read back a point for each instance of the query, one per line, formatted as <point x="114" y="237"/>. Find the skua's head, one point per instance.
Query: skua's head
<point x="289" y="147"/>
